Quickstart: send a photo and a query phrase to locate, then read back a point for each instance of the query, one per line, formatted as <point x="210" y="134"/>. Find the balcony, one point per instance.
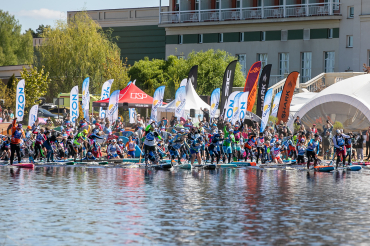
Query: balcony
<point x="249" y="13"/>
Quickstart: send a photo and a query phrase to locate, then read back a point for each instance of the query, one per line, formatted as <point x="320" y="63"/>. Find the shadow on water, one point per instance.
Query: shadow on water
<point x="69" y="205"/>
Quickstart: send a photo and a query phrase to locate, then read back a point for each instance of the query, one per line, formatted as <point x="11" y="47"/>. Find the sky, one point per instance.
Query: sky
<point x="33" y="13"/>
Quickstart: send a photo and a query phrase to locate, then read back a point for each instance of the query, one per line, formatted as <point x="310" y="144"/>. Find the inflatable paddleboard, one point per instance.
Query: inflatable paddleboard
<point x="364" y="163"/>
<point x="210" y="166"/>
<point x="103" y="163"/>
<point x="24" y="165"/>
<point x="185" y="166"/>
<point x="162" y="167"/>
<point x="354" y="168"/>
<point x="70" y="163"/>
<point x="244" y="164"/>
<point x="324" y="168"/>
<point x="227" y="165"/>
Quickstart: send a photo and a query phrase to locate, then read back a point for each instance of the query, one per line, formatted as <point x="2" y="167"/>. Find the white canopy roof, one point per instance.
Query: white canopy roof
<point x="299" y="100"/>
<point x="193" y="101"/>
<point x="347" y="101"/>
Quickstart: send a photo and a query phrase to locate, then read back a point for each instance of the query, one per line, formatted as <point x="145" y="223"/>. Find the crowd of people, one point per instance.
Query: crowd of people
<point x="181" y="139"/>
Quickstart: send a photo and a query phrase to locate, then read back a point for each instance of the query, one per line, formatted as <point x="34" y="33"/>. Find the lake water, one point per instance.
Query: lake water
<point x="114" y="206"/>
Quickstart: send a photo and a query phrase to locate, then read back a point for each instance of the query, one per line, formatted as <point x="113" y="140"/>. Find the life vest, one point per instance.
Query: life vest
<point x="276" y="151"/>
<point x="312" y="145"/>
<point x="301" y="150"/>
<point x="131" y="146"/>
<point x="16" y="137"/>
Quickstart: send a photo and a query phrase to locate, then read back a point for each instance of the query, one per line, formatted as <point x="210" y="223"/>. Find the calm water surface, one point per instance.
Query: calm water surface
<point x="113" y="206"/>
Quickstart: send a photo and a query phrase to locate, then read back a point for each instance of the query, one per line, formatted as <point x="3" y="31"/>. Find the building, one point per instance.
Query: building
<point x="309" y="36"/>
<point x="137" y="30"/>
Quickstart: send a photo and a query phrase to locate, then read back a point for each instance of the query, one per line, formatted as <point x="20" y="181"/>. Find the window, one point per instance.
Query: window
<point x="220" y="37"/>
<point x="241" y="37"/>
<point x="181" y="57"/>
<point x="238" y="3"/>
<point x="329" y="61"/>
<point x="330" y="33"/>
<point x="200" y="38"/>
<point x="306" y="62"/>
<point x="217" y="4"/>
<point x="336" y="5"/>
<point x="283" y="63"/>
<point x="197" y="5"/>
<point x="263" y="36"/>
<point x="263" y="59"/>
<point x="180" y="39"/>
<point x="351" y="12"/>
<point x="177" y="5"/>
<point x="350" y="41"/>
<point x="242" y="60"/>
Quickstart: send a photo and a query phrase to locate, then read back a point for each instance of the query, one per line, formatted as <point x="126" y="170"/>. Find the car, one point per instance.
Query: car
<point x="45" y="114"/>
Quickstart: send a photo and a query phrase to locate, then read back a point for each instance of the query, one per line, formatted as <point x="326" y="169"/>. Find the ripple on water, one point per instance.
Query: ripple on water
<point x="102" y="206"/>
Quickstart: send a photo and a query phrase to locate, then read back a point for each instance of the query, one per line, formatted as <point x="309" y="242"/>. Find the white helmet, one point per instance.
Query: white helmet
<point x="114" y="141"/>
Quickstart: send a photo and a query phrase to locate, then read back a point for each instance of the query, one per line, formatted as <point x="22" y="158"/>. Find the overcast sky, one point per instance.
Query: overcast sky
<point x="33" y="13"/>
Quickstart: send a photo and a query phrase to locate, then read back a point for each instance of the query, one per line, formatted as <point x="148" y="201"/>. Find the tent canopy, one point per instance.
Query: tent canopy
<point x="193" y="101"/>
<point x="131" y="96"/>
<point x="346" y="101"/>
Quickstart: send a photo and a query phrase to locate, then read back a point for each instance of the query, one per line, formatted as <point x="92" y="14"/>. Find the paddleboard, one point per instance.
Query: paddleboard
<point x="227" y="165"/>
<point x="243" y="163"/>
<point x="162" y="167"/>
<point x="185" y="166"/>
<point x="24" y="165"/>
<point x="70" y="163"/>
<point x="324" y="168"/>
<point x="210" y="166"/>
<point x="354" y="168"/>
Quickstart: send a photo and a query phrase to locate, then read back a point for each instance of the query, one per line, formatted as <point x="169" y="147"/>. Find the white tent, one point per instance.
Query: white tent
<point x="299" y="100"/>
<point x="193" y="101"/>
<point x="347" y="101"/>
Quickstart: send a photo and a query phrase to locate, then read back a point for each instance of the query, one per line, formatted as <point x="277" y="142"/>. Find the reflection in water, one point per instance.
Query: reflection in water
<point x="80" y="205"/>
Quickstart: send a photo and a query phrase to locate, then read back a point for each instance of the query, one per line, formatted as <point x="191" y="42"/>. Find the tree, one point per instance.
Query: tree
<point x="150" y="74"/>
<point x="337" y="125"/>
<point x="78" y="49"/>
<point x="15" y="48"/>
<point x="36" y="85"/>
<point x="80" y="113"/>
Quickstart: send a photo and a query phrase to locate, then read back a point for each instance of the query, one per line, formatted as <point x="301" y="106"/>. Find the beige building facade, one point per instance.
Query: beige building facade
<point x="311" y="37"/>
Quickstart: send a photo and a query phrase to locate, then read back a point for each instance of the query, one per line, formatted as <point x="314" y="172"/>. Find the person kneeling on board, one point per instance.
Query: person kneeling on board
<point x="276" y="153"/>
<point x="15" y="140"/>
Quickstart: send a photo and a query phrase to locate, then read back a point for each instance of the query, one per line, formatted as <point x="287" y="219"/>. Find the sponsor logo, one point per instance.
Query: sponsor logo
<point x="138" y="95"/>
<point x="285" y="104"/>
<point x="227" y="86"/>
<point x="255" y="70"/>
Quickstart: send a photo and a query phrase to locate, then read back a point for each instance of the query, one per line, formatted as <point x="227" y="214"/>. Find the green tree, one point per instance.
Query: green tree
<point x="36" y="85"/>
<point x="337" y="125"/>
<point x="150" y="74"/>
<point x="15" y="48"/>
<point x="78" y="49"/>
<point x="10" y="92"/>
<point x="80" y="113"/>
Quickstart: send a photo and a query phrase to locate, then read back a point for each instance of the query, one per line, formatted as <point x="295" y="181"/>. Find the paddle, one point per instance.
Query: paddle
<point x="141" y="153"/>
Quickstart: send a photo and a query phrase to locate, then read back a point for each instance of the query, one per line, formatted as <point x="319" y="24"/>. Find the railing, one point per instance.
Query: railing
<point x="263" y="12"/>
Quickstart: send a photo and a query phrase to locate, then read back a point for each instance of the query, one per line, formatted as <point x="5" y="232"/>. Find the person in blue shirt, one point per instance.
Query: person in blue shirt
<point x="301" y="149"/>
<point x="312" y="151"/>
